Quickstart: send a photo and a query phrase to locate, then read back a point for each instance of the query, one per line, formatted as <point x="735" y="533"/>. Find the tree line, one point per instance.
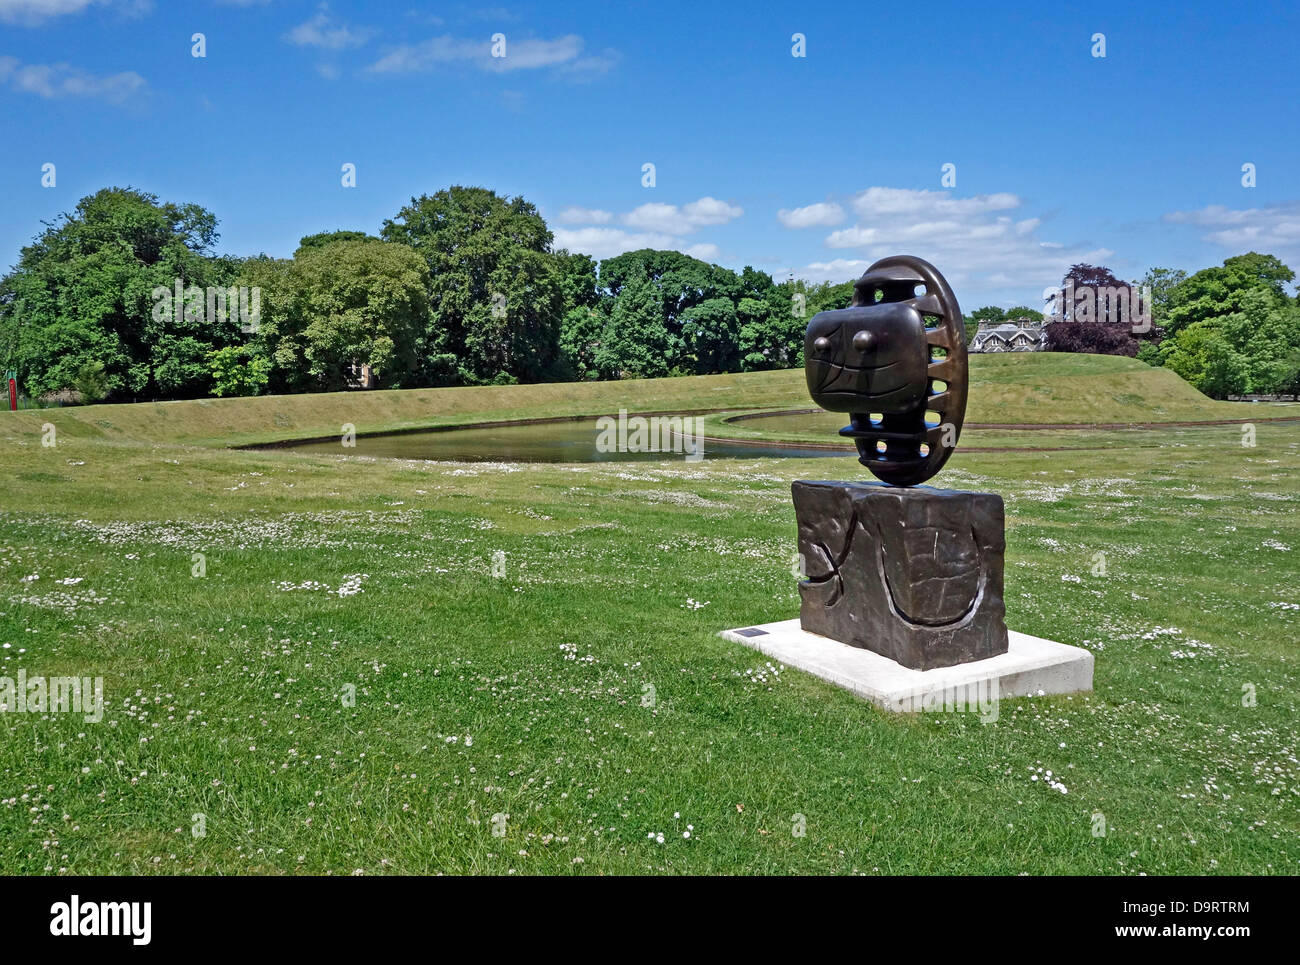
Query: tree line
<point x="125" y="298"/>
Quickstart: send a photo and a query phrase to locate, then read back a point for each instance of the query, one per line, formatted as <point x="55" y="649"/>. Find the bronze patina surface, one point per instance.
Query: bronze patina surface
<point x="895" y="360"/>
<point x="914" y="574"/>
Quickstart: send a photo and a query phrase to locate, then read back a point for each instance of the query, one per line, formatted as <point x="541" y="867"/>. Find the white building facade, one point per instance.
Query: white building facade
<point x="1018" y="335"/>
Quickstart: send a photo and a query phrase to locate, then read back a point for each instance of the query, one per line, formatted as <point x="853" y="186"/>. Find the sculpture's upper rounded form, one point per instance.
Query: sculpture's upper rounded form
<point x="895" y="359"/>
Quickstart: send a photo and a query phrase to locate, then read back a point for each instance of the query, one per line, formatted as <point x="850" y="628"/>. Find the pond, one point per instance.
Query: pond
<point x="571" y="441"/>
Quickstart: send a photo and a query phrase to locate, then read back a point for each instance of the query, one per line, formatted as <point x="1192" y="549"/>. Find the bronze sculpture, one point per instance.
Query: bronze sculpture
<point x="895" y="359"/>
<point x="907" y="571"/>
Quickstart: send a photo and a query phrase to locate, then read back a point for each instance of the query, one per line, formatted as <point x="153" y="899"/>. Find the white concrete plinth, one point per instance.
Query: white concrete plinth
<point x="1031" y="666"/>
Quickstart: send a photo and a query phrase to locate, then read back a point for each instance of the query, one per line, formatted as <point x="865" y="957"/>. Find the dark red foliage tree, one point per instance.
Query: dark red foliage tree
<point x="1106" y="333"/>
<point x="1095" y="338"/>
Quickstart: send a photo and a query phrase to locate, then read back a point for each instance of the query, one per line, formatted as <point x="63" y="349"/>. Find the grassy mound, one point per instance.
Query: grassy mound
<point x="1031" y="388"/>
<point x="1035" y="388"/>
<point x="270" y="418"/>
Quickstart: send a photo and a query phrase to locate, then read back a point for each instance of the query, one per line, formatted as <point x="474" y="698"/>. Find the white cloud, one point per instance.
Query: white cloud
<point x="592" y="66"/>
<point x="584" y="216"/>
<point x="323" y="31"/>
<point x="980" y="243"/>
<point x="851" y="237"/>
<point x="32" y="12"/>
<point x="823" y="214"/>
<point x="836" y="270"/>
<point x="608" y="242"/>
<point x="498" y="14"/>
<point x="655" y="225"/>
<point x="523" y="54"/>
<point x="1271" y="229"/>
<point x="711" y="211"/>
<point x="704" y="252"/>
<point x="882" y="202"/>
<point x="531" y="54"/>
<point x="62" y="80"/>
<point x="669" y="218"/>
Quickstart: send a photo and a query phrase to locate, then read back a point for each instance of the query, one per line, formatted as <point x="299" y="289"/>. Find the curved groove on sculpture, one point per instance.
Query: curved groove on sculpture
<point x="963" y="618"/>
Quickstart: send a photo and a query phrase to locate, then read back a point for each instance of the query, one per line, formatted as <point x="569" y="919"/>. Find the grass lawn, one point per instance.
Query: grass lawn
<point x="559" y="716"/>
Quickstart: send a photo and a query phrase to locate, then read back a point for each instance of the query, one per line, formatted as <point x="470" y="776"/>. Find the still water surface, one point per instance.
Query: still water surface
<point x="543" y="442"/>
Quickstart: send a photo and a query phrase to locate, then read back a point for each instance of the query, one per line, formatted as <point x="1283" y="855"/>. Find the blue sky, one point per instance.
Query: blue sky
<point x="811" y="165"/>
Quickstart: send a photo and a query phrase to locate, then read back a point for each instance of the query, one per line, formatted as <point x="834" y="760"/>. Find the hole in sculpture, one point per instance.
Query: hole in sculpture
<point x="879" y="295"/>
<point x="925" y="450"/>
<point x="877" y="418"/>
<point x="880" y="445"/>
<point x="937" y="386"/>
<point x="918" y="291"/>
<point x="932" y="418"/>
<point x="938" y="352"/>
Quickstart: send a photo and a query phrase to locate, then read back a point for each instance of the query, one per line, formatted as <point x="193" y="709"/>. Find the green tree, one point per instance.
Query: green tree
<point x="586" y="313"/>
<point x="636" y="342"/>
<point x="89" y="383"/>
<point x="1215" y="292"/>
<point x="334" y="309"/>
<point x="711" y="333"/>
<point x="714" y="319"/>
<point x="1251" y="345"/>
<point x="279" y="337"/>
<point x="581" y="338"/>
<point x="683" y="281"/>
<point x="323" y="238"/>
<point x="578" y="280"/>
<point x="1023" y="311"/>
<point x="989" y="313"/>
<point x="683" y="284"/>
<point x="1266" y="271"/>
<point x="1161" y="281"/>
<point x="825" y="297"/>
<point x="1202" y="354"/>
<point x="85" y="295"/>
<point x="495" y="291"/>
<point x="238" y="370"/>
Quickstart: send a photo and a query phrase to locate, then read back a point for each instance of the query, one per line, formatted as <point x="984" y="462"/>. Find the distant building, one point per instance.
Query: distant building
<point x="361" y="377"/>
<point x="1016" y="335"/>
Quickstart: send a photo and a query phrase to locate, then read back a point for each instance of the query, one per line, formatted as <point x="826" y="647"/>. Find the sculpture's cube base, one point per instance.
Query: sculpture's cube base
<point x="913" y="574"/>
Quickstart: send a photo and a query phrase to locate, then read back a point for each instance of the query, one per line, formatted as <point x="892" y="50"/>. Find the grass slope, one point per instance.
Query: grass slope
<point x="271" y="418"/>
<point x="1018" y="388"/>
<point x="1051" y="387"/>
